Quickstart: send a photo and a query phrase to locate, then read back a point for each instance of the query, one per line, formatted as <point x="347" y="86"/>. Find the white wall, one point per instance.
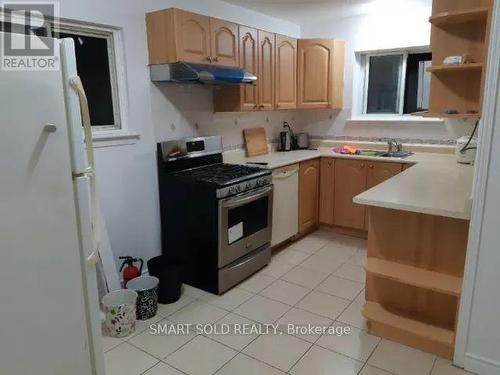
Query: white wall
<point x="379" y="24"/>
<point x="127" y="180"/>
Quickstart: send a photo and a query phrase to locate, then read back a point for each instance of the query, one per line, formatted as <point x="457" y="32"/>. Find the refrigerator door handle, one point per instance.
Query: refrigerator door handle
<point x="76" y="84"/>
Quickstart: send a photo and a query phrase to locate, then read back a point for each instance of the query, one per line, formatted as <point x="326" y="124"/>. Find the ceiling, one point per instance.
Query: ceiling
<point x="301" y="11"/>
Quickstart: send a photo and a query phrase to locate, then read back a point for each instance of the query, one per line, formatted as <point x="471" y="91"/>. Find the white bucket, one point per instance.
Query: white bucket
<point x="119" y="307"/>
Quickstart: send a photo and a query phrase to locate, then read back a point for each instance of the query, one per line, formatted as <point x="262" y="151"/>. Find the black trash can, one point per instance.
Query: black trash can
<point x="168" y="270"/>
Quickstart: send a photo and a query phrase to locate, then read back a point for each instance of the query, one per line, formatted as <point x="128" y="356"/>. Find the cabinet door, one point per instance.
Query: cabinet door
<point x="308" y="196"/>
<point x="327" y="190"/>
<point x="265" y="77"/>
<point x="192" y="33"/>
<point x="377" y="173"/>
<point x="224" y="43"/>
<point x="286" y="72"/>
<point x="314" y="73"/>
<point x="249" y="61"/>
<point x="350" y="180"/>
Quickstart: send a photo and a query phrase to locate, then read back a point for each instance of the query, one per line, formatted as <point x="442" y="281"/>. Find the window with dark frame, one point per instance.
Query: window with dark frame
<point x="93" y="66"/>
<point x="417" y="84"/>
<point x="92" y="62"/>
<point x="396" y="83"/>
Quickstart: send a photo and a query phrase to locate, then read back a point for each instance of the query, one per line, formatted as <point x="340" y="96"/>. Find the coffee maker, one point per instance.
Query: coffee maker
<point x="287" y="138"/>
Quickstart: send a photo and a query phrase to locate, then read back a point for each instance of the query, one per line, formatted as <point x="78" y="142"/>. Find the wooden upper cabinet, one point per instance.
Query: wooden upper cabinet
<point x="350" y="180"/>
<point x="224" y="43"/>
<point x="320" y="73"/>
<point x="192" y="37"/>
<point x="265" y="76"/>
<point x="309" y="195"/>
<point x="286" y="72"/>
<point x="249" y="61"/>
<point x="327" y="190"/>
<point x="176" y="35"/>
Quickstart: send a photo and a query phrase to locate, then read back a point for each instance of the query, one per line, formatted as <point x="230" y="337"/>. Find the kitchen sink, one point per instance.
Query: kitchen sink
<point x="385" y="154"/>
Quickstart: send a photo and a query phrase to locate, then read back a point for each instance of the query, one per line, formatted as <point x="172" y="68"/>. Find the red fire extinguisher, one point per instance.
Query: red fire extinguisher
<point x="130" y="272"/>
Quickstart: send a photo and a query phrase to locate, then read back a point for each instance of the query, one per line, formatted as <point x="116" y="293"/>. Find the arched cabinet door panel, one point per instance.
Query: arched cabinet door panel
<point x="249" y="61"/>
<point x="309" y="196"/>
<point x="265" y="80"/>
<point x="286" y="72"/>
<point x="320" y="73"/>
<point x="225" y="46"/>
<point x="193" y="37"/>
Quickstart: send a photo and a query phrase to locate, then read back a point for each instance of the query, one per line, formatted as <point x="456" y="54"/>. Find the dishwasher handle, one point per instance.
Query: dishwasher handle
<point x="287" y="174"/>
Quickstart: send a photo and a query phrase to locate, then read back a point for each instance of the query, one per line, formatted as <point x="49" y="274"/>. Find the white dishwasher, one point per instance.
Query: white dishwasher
<point x="285" y="203"/>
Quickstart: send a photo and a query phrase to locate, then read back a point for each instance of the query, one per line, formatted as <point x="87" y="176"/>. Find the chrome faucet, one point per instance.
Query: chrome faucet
<point x="394" y="145"/>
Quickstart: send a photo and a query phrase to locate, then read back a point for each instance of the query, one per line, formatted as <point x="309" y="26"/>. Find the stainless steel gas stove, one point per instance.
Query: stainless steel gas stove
<point x="215" y="216"/>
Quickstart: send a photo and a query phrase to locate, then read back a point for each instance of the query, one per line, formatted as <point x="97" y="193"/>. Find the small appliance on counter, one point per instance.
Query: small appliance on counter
<point x="302" y="141"/>
<point x="285" y="141"/>
<point x="287" y="138"/>
<point x="466" y="150"/>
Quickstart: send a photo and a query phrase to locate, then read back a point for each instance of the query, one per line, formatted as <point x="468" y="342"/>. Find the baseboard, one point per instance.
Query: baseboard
<point x="481" y="365"/>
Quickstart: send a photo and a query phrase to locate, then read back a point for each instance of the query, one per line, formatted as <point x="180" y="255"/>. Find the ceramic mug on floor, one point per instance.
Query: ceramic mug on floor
<point x="147" y="300"/>
<point x="119" y="307"/>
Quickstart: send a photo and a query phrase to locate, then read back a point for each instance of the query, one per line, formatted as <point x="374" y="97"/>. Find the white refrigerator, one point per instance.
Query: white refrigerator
<point x="49" y="308"/>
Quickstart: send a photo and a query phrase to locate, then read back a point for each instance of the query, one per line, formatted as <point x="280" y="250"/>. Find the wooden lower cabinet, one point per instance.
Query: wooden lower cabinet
<point x="309" y="180"/>
<point x="327" y="190"/>
<point x="377" y="173"/>
<point x="350" y="180"/>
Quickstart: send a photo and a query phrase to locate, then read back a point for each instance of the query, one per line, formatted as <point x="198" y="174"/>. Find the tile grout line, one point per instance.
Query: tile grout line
<point x="195" y="299"/>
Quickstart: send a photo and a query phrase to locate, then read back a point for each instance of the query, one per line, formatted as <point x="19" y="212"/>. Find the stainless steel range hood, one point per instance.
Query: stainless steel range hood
<point x="182" y="72"/>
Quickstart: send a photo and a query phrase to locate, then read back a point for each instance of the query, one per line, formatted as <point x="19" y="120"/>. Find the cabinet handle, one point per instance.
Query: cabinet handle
<point x="262" y="106"/>
<point x="362" y="165"/>
<point x="216" y="59"/>
<point x="209" y="59"/>
<point x="255" y="106"/>
<point x="370" y="166"/>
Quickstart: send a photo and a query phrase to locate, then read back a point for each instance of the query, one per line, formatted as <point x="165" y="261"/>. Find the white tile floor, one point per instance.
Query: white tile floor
<point x="318" y="280"/>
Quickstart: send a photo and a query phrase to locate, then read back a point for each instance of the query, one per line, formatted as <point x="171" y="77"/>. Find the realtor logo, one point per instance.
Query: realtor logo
<point x="25" y="45"/>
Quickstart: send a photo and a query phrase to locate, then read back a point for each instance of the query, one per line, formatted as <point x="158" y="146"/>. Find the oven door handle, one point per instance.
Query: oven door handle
<point x="239" y="200"/>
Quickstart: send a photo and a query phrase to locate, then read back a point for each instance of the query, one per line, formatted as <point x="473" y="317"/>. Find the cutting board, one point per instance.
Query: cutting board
<point x="255" y="141"/>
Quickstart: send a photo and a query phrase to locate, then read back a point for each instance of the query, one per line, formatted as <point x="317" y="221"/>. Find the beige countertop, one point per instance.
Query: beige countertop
<point x="436" y="185"/>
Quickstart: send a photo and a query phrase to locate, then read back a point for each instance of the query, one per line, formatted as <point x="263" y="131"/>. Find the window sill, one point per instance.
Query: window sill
<point x="391" y="119"/>
<point x="110" y="138"/>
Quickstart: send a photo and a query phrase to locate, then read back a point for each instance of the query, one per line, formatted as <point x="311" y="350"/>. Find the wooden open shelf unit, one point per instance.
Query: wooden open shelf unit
<point x="455" y="68"/>
<point x="413" y="332"/>
<point x="459" y="27"/>
<point x="459" y="16"/>
<point x="414" y="278"/>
